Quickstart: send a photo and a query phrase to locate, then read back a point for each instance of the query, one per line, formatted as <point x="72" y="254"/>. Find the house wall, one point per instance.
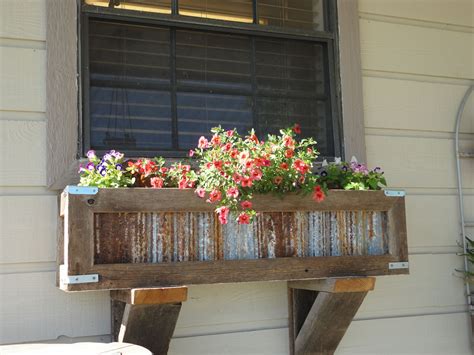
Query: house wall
<point x="417" y="59"/>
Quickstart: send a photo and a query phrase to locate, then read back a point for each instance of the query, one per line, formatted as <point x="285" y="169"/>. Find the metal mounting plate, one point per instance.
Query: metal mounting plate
<point x="82" y="190"/>
<point x="80" y="279"/>
<point x="400" y="265"/>
<point x="394" y="193"/>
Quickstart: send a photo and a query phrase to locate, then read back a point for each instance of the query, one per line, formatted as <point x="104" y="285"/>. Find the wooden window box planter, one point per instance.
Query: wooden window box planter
<point x="137" y="237"/>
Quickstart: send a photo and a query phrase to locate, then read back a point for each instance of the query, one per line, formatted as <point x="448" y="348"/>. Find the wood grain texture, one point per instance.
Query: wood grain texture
<point x="351" y="80"/>
<point x="455" y="12"/>
<point x="416" y="50"/>
<point x="62" y="86"/>
<point x="342" y="285"/>
<point x="414" y="105"/>
<point x="20" y="142"/>
<point x="24" y="19"/>
<point x="22" y="79"/>
<point x="299" y="304"/>
<point x="150" y="326"/>
<point x="327" y="322"/>
<point x="157" y="295"/>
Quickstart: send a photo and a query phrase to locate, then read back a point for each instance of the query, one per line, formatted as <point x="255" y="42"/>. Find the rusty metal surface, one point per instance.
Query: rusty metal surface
<point x="195" y="236"/>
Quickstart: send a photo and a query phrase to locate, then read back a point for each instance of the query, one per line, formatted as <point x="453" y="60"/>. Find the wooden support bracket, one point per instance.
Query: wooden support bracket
<point x="320" y="311"/>
<point x="147" y="316"/>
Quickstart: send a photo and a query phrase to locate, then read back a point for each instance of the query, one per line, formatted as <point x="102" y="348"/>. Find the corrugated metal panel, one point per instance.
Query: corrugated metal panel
<point x="192" y="236"/>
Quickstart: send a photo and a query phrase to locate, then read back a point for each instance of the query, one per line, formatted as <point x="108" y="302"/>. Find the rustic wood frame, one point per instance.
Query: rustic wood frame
<point x="63" y="108"/>
<point x="78" y="240"/>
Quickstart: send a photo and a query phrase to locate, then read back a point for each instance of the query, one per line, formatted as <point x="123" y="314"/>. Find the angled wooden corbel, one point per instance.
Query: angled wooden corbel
<point x="320" y="311"/>
<point x="147" y="316"/>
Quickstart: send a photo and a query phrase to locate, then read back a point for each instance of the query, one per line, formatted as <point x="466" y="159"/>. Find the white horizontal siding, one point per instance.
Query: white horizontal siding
<point x="25" y="19"/>
<point x="401" y="48"/>
<point x="453" y="12"/>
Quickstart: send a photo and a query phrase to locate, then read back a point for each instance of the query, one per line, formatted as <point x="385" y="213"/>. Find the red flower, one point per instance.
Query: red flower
<point x="243" y="218"/>
<point x="246" y="182"/>
<point x="253" y="138"/>
<point x="278" y="180"/>
<point x="289" y="142"/>
<point x="200" y="192"/>
<point x="203" y="143"/>
<point x="229" y="133"/>
<point x="232" y="192"/>
<point x="301" y="166"/>
<point x="156" y="182"/>
<point x="318" y="194"/>
<point x="234" y="153"/>
<point x="227" y="147"/>
<point x="289" y="153"/>
<point x="214" y="196"/>
<point x="284" y="166"/>
<point x="297" y="128"/>
<point x="218" y="164"/>
<point x="244" y="156"/>
<point x="246" y="204"/>
<point x="183" y="183"/>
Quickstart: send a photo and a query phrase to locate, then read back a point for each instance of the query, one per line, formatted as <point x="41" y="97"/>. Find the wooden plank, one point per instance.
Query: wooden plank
<point x="427" y="166"/>
<point x="175" y="200"/>
<point x="150" y="326"/>
<point x="342" y="285"/>
<point x="62" y="108"/>
<point x="454" y="12"/>
<point x="160" y="295"/>
<point x="327" y="322"/>
<point x="32" y="308"/>
<point x="415" y="50"/>
<point x="24" y="19"/>
<point x="22" y="79"/>
<point x="414" y="105"/>
<point x="351" y="80"/>
<point x="22" y="142"/>
<point x="118" y="276"/>
<point x="32" y="239"/>
<point x="299" y="304"/>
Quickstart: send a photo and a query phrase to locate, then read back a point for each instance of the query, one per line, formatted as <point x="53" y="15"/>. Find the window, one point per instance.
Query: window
<point x="158" y="74"/>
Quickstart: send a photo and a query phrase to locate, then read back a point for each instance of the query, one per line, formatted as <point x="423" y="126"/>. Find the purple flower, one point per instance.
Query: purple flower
<point x="344" y="168"/>
<point x="378" y="169"/>
<point x="359" y="168"/>
<point x="80" y="169"/>
<point x="119" y="167"/>
<point x="323" y="173"/>
<point x="90" y="166"/>
<point x="91" y="154"/>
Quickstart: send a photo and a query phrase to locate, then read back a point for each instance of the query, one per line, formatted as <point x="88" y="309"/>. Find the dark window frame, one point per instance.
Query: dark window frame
<point x="328" y="38"/>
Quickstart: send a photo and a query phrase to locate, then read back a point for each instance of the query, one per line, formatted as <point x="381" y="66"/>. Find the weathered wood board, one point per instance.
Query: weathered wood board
<point x="146" y="237"/>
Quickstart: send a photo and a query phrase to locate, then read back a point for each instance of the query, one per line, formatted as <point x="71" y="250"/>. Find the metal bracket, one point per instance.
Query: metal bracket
<point x="394" y="193"/>
<point x="400" y="265"/>
<point x="76" y="279"/>
<point x="81" y="190"/>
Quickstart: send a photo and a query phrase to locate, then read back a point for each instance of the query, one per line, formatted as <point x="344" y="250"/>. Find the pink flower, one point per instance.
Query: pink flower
<point x="237" y="178"/>
<point x="246" y="204"/>
<point x="243" y="218"/>
<point x="301" y="166"/>
<point x="200" y="192"/>
<point x="227" y="147"/>
<point x="256" y="174"/>
<point x="223" y="213"/>
<point x="214" y="196"/>
<point x="229" y="133"/>
<point x="244" y="156"/>
<point x="232" y="192"/>
<point x="156" y="182"/>
<point x="289" y="142"/>
<point x="216" y="140"/>
<point x="183" y="183"/>
<point x="191" y="153"/>
<point x="203" y="143"/>
<point x="218" y="164"/>
<point x="234" y="153"/>
<point x="284" y="166"/>
<point x="278" y="180"/>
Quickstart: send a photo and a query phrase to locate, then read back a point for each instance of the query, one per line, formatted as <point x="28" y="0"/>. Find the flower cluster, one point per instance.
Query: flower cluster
<point x="233" y="168"/>
<point x="106" y="172"/>
<point x="350" y="176"/>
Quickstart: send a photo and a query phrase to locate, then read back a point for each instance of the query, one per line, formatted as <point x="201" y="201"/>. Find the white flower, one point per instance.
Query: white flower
<point x="354" y="160"/>
<point x="325" y="163"/>
<point x="337" y="160"/>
